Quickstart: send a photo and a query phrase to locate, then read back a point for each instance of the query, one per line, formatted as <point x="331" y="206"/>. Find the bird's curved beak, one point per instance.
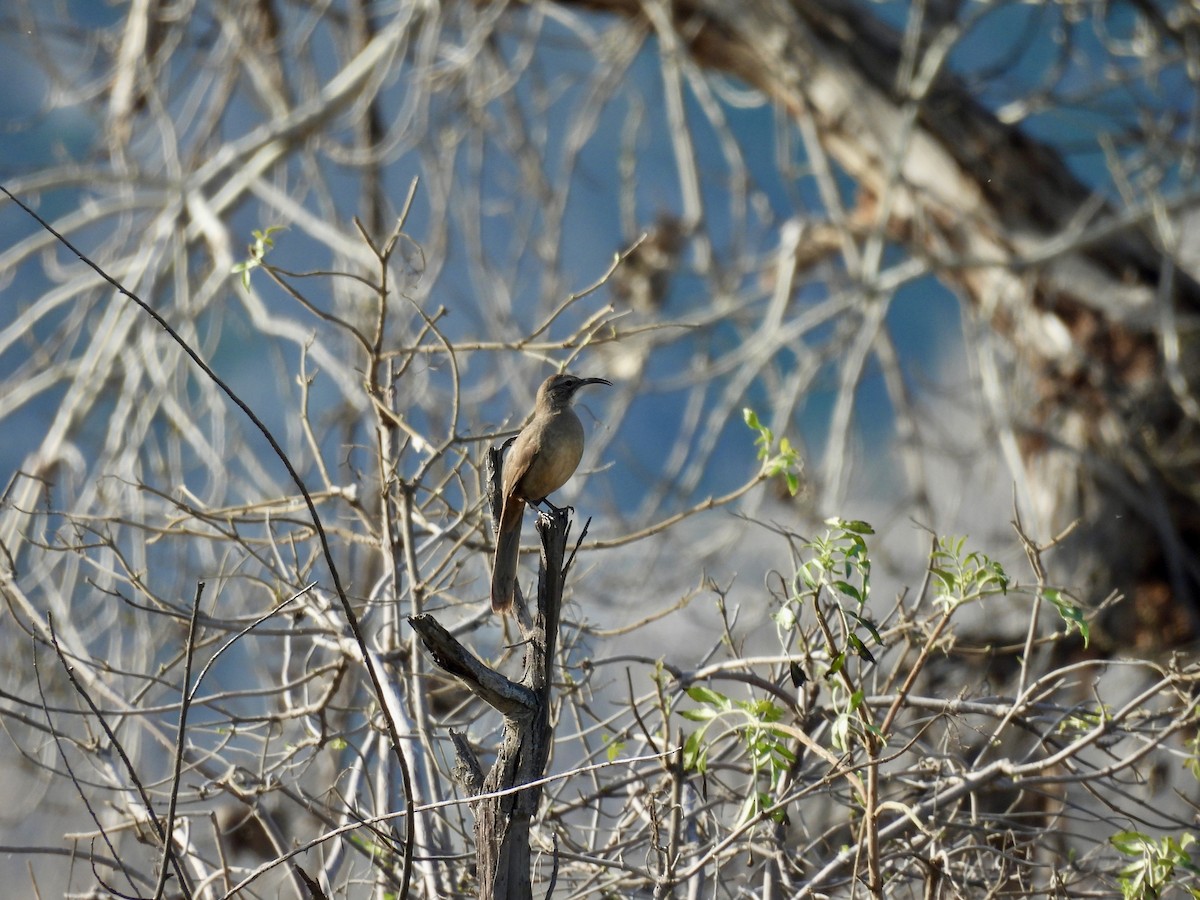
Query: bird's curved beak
<point x="583" y="381"/>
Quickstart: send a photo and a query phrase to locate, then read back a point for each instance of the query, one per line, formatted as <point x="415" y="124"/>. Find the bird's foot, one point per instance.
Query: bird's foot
<point x="556" y="510"/>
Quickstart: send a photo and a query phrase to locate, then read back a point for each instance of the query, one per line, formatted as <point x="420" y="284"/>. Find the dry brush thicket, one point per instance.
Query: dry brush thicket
<point x="220" y="520"/>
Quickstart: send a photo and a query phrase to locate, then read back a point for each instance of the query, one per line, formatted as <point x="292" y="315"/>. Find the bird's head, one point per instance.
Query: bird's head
<point x="557" y="391"/>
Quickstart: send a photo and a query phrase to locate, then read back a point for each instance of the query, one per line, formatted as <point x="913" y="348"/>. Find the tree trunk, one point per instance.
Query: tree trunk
<point x="1095" y="410"/>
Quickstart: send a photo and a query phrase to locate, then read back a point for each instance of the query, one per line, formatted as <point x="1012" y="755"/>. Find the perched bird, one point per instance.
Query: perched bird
<point x="541" y="460"/>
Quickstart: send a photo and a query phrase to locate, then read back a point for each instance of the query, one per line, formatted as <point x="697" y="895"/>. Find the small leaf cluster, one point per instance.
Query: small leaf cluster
<point x="263" y="241"/>
<point x="834" y="581"/>
<point x="751" y="720"/>
<point x="840" y="565"/>
<point x="785" y="462"/>
<point x="1155" y="864"/>
<point x="1070" y="612"/>
<point x="960" y="577"/>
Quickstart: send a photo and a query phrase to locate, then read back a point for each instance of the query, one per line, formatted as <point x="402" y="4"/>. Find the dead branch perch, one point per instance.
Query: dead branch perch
<point x="502" y="823"/>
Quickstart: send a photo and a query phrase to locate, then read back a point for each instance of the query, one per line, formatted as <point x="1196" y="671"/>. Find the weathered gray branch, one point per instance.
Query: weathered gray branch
<point x="499" y="692"/>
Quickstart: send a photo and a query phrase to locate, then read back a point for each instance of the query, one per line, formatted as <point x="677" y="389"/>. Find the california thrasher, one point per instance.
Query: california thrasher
<point x="541" y="460"/>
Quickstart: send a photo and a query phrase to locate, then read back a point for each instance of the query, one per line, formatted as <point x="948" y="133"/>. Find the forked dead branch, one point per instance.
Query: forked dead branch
<point x="502" y="823"/>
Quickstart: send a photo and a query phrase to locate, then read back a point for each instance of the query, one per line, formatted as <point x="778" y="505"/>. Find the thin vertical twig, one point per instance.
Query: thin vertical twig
<point x="180" y="740"/>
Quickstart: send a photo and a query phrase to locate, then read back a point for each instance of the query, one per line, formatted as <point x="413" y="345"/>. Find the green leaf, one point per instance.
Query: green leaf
<point x="849" y="590"/>
<point x="766" y="711"/>
<point x="943" y="576"/>
<point x="695" y="756"/>
<point x="867" y="624"/>
<point x="806" y="575"/>
<point x="860" y="648"/>
<point x="783" y="752"/>
<point x="856" y="526"/>
<point x="840" y="732"/>
<point x="1131" y="843"/>
<point x="1069" y="612"/>
<point x="701" y="694"/>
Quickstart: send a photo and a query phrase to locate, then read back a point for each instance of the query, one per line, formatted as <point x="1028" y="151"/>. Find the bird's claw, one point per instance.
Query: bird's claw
<point x="557" y="510"/>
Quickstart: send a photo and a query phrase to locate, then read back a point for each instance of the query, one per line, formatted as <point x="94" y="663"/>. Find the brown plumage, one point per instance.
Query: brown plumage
<point x="540" y="461"/>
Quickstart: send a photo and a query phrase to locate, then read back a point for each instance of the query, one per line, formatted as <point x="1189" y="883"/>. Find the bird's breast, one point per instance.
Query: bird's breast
<point x="557" y="442"/>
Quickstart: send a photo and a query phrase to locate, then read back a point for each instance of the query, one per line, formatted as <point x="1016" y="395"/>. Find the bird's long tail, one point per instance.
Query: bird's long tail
<point x="508" y="545"/>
